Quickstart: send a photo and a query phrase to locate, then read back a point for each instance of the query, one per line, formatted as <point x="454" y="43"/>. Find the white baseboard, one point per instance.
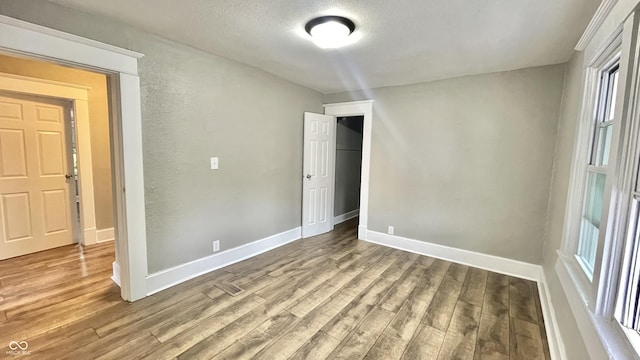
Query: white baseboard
<point x="493" y="263"/>
<point x="116" y="273"/>
<point x="90" y="236"/>
<point x="362" y="232"/>
<point x="483" y="261"/>
<point x="166" y="278"/>
<point x="346" y="216"/>
<point x="104" y="235"/>
<point x="556" y="345"/>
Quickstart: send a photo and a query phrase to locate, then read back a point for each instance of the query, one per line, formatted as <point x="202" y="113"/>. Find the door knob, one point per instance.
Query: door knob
<point x="68" y="176"/>
<point x="308" y="176"/>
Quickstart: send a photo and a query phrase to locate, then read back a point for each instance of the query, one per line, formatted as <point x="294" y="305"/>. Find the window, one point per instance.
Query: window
<point x="599" y="263"/>
<point x="597" y="166"/>
<point x="629" y="310"/>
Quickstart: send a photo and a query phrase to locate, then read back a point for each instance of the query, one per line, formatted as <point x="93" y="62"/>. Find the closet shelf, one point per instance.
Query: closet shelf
<point x="347" y="149"/>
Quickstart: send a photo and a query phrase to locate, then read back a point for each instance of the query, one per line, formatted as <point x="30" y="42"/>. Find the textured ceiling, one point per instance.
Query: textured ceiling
<point x="401" y="42"/>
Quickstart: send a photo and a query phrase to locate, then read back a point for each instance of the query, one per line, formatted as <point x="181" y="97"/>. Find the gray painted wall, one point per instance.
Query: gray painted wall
<point x="462" y="162"/>
<point x="348" y="164"/>
<point x="196" y="105"/>
<point x="570" y="113"/>
<point x="466" y="162"/>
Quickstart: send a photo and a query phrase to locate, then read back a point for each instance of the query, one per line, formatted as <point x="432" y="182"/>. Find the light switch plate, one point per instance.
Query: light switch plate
<point x="214" y="163"/>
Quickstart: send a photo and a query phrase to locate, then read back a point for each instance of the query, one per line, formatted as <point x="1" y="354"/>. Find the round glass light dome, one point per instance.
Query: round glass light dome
<point x="330" y="32"/>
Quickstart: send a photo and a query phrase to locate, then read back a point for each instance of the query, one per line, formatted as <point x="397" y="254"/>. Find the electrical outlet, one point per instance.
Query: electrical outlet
<point x="216" y="246"/>
<point x="390" y="230"/>
<point x="214" y="163"/>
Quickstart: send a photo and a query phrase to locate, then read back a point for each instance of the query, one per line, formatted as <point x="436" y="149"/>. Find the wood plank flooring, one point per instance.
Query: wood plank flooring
<point x="328" y="297"/>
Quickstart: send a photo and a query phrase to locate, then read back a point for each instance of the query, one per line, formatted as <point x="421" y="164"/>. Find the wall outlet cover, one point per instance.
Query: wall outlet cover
<point x="214" y="163"/>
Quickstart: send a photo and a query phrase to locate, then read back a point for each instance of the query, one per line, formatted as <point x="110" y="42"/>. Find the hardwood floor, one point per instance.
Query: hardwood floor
<point x="328" y="297"/>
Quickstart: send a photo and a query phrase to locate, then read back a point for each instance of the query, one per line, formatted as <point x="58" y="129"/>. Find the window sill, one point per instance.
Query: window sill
<point x="632" y="336"/>
<point x="603" y="337"/>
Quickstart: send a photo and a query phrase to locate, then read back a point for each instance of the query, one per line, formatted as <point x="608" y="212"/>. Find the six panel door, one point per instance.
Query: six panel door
<point x="318" y="167"/>
<point x="35" y="196"/>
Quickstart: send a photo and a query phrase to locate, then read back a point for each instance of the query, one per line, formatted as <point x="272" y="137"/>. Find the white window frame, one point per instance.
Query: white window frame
<point x="613" y="52"/>
<point x="594" y="301"/>
<point x="612" y="301"/>
<point x="604" y="64"/>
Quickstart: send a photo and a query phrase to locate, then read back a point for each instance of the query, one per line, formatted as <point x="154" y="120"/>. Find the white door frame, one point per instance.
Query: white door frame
<point x="78" y="95"/>
<point x="22" y="38"/>
<point x="357" y="108"/>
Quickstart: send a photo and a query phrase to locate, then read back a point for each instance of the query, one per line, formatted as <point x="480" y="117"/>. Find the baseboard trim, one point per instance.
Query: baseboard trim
<point x="104" y="235"/>
<point x="90" y="236"/>
<point x="556" y="345"/>
<point x="362" y="232"/>
<point x="116" y="273"/>
<point x="493" y="263"/>
<point x="479" y="260"/>
<point x="346" y="216"/>
<point x="167" y="278"/>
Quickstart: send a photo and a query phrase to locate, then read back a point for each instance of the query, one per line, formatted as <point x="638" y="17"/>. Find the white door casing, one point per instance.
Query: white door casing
<point x="35" y="175"/>
<point x="318" y="168"/>
<point x="77" y="97"/>
<point x="35" y="41"/>
<point x="359" y="108"/>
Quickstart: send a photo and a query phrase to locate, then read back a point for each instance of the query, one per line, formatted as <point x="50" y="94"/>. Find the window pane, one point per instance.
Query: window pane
<point x="604" y="144"/>
<point x="629" y="287"/>
<point x="590" y="221"/>
<point x="614" y="92"/>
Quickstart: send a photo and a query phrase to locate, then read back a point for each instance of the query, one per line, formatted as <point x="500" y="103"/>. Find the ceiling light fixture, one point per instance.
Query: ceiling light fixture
<point x="330" y="32"/>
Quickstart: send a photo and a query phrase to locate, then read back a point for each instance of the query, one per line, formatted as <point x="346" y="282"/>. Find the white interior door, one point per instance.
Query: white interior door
<point x="318" y="168"/>
<point x="35" y="175"/>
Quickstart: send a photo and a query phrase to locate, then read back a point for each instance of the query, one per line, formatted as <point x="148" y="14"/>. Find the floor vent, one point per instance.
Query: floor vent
<point x="229" y="288"/>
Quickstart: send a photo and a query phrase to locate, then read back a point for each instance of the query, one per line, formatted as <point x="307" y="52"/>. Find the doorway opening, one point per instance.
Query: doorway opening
<point x="64" y="128"/>
<point x="319" y="167"/>
<point x="27" y="40"/>
<point x="348" y="168"/>
<point x="56" y="186"/>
